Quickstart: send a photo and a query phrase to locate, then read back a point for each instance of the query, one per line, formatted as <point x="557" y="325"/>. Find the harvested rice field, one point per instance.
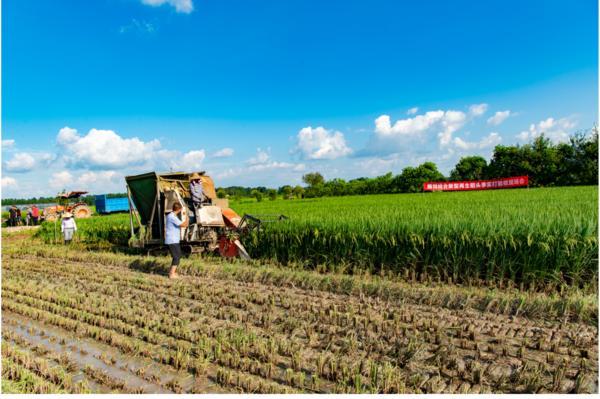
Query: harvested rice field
<point x="82" y="321"/>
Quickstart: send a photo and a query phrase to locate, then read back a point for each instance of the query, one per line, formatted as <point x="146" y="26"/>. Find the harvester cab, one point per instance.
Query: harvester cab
<point x="213" y="226"/>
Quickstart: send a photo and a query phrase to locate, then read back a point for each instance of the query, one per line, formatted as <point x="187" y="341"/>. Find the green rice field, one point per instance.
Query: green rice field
<point x="544" y="235"/>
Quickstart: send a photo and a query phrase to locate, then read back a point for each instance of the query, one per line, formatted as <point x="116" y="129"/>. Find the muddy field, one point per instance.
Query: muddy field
<point x="99" y="322"/>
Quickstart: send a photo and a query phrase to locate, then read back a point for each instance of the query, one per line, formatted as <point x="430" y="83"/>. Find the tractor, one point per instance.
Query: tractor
<point x="79" y="209"/>
<point x="213" y="227"/>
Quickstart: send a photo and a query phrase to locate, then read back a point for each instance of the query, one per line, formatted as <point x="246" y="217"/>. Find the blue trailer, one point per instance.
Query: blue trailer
<point x="105" y="205"/>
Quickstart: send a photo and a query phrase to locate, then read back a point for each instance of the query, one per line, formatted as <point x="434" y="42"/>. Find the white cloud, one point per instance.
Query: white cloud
<point x="20" y="162"/>
<point x="105" y="149"/>
<point x="184" y="6"/>
<point x="189" y="161"/>
<point x="8" y="182"/>
<point x="498" y="117"/>
<point x="407" y="127"/>
<point x="478" y="109"/>
<point x="320" y="143"/>
<point x="452" y="121"/>
<point x="8" y="143"/>
<point x="223" y="153"/>
<point x="261" y="157"/>
<point x="490" y="141"/>
<point x="447" y="122"/>
<point x="140" y="27"/>
<point x="60" y="180"/>
<point x="555" y="130"/>
<point x="412" y="111"/>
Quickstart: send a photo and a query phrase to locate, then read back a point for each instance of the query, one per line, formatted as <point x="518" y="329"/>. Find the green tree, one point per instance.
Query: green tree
<point x="221" y="193"/>
<point x="272" y="194"/>
<point x="287" y="191"/>
<point x="298" y="192"/>
<point x="411" y="179"/>
<point x="256" y="194"/>
<point x="313" y="179"/>
<point x="469" y="168"/>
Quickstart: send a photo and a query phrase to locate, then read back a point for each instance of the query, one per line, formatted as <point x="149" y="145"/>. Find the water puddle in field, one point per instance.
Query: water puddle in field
<point x="84" y="351"/>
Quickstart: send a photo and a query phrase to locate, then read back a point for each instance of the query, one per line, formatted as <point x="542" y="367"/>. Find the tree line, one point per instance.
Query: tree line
<point x="547" y="164"/>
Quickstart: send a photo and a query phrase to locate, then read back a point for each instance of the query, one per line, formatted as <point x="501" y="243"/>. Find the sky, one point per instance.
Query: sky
<point x="259" y="92"/>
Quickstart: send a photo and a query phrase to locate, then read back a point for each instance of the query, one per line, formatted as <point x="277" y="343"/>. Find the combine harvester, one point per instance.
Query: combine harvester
<point x="213" y="226"/>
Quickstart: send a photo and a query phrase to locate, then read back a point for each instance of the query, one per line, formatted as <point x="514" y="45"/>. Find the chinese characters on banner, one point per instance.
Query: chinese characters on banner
<point x="508" y="182"/>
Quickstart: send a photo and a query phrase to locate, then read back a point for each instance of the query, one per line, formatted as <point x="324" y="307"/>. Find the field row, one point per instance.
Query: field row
<point x="565" y="305"/>
<point x="257" y="337"/>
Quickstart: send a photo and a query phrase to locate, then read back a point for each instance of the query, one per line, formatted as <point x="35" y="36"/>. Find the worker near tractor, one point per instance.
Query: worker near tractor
<point x="12" y="216"/>
<point x="68" y="227"/>
<point x="35" y="215"/>
<point x="173" y="235"/>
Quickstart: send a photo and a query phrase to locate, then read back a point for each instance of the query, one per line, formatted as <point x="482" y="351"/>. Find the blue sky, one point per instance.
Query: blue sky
<point x="261" y="92"/>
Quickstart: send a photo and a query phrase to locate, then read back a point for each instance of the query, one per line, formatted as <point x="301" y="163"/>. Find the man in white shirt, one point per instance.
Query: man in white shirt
<point x="173" y="234"/>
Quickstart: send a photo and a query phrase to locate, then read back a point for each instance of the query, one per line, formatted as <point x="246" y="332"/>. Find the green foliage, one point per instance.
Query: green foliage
<point x="272" y="194"/>
<point x="313" y="179"/>
<point x="257" y="194"/>
<point x="298" y="192"/>
<point x="286" y="191"/>
<point x="469" y="168"/>
<point x="411" y="179"/>
<point x="221" y="193"/>
<point x="112" y="229"/>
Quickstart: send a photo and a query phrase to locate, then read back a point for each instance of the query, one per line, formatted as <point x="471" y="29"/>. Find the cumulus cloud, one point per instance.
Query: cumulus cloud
<point x="498" y="118"/>
<point x="20" y="162"/>
<point x="223" y="153"/>
<point x="555" y="130"/>
<point x="93" y="177"/>
<point x="8" y="182"/>
<point x="183" y="6"/>
<point x="321" y="143"/>
<point x="490" y="141"/>
<point x="104" y="149"/>
<point x="446" y="122"/>
<point x="191" y="160"/>
<point x="413" y="111"/>
<point x="478" y="109"/>
<point x="9" y="143"/>
<point x="60" y="180"/>
<point x="261" y="157"/>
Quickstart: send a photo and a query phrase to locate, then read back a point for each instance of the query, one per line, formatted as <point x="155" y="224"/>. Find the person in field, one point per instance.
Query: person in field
<point x="12" y="216"/>
<point x="68" y="227"/>
<point x="196" y="190"/>
<point x="35" y="215"/>
<point x="173" y="229"/>
<point x="19" y="217"/>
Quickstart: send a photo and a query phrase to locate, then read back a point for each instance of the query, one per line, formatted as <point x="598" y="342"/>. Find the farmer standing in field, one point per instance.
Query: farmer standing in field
<point x="173" y="229"/>
<point x="68" y="227"/>
<point x="35" y="215"/>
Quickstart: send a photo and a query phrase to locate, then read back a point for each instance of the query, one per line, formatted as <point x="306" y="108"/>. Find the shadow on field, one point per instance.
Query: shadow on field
<point x="149" y="266"/>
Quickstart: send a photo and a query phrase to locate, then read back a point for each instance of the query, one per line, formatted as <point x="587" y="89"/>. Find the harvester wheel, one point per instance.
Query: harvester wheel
<point x="81" y="211"/>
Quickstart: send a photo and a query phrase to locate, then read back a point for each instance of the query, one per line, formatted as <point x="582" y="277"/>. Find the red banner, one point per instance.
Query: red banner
<point x="507" y="182"/>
